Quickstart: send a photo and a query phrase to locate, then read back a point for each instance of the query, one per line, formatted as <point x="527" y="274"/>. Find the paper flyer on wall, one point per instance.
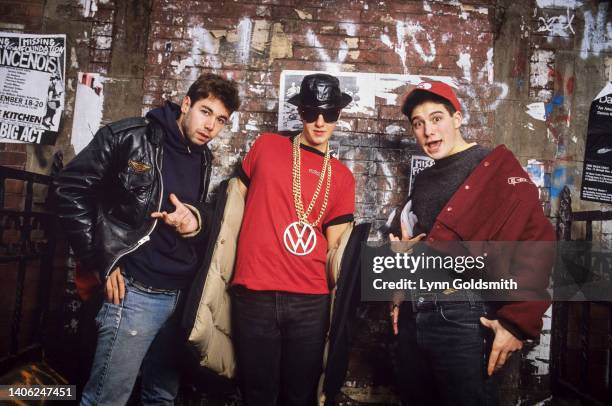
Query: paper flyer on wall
<point x="597" y="171"/>
<point x="32" y="87"/>
<point x="417" y="164"/>
<point x="364" y="88"/>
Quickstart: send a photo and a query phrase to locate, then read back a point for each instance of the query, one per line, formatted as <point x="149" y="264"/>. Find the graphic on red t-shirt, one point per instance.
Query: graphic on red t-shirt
<point x="263" y="262"/>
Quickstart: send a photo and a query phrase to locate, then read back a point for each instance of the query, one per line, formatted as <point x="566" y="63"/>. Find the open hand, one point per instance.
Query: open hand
<point x="182" y="219"/>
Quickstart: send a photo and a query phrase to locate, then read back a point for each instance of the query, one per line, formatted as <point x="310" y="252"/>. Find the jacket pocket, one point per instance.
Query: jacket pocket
<point x="135" y="186"/>
<point x="137" y="176"/>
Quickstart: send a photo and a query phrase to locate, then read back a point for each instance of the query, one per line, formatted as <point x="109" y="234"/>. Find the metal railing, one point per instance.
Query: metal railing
<point x="27" y="245"/>
<point x="577" y="347"/>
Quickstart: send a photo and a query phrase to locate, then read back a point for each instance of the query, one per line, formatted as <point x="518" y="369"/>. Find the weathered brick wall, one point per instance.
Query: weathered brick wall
<point x="252" y="42"/>
<point x="18" y="16"/>
<point x="505" y="55"/>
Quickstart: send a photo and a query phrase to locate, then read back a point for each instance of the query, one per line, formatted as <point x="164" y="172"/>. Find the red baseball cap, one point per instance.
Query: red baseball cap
<point x="438" y="88"/>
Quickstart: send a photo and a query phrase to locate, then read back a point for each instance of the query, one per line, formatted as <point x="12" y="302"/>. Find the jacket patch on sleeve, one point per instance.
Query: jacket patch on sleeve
<point x="514" y="180"/>
<point x="139" y="167"/>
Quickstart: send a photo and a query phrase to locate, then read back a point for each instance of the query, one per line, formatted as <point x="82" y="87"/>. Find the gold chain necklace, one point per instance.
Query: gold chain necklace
<point x="297" y="185"/>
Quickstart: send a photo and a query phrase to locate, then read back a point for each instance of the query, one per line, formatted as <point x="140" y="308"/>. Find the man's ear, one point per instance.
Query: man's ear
<point x="185" y="104"/>
<point x="457" y="119"/>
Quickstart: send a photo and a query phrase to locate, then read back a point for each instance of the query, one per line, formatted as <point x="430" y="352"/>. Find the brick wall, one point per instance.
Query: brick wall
<point x="504" y="54"/>
<point x="252" y="42"/>
<point x="18" y="16"/>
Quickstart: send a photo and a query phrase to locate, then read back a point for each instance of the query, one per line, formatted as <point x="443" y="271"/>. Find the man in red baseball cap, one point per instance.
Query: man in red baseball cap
<point x="452" y="342"/>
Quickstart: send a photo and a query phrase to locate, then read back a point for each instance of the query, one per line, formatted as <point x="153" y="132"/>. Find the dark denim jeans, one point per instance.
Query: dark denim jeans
<point x="443" y="353"/>
<point x="279" y="339"/>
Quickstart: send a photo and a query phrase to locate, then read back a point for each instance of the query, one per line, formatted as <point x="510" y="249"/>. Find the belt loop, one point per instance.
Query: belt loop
<point x="413" y="301"/>
<point x="473" y="299"/>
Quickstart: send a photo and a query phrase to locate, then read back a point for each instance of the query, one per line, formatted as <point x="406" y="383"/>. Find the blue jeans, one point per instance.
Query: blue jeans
<point x="141" y="333"/>
<point x="443" y="353"/>
<point x="279" y="339"/>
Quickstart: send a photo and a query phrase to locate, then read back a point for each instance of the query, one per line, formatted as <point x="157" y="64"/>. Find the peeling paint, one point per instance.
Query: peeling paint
<point x="12" y="26"/>
<point x="252" y="125"/>
<point x="244" y="31"/>
<point x="74" y="62"/>
<point x="182" y="64"/>
<point x="88" y="107"/>
<point x="330" y="66"/>
<point x="235" y="121"/>
<point x="539" y="356"/>
<point x="537" y="111"/>
<point x="384" y="38"/>
<point x="261" y="33"/>
<point x="570" y="4"/>
<point x="406" y="35"/>
<point x="257" y="89"/>
<point x="560" y="177"/>
<point x="473" y="9"/>
<point x="349" y="28"/>
<point x="556" y="101"/>
<point x="201" y="40"/>
<point x="89" y="7"/>
<point x="405" y="30"/>
<point x="344" y="125"/>
<point x="597" y="36"/>
<point x="490" y="66"/>
<point x="535" y="169"/>
<point x="354" y="55"/>
<point x="394" y="129"/>
<point x="352" y="43"/>
<point x="608" y="65"/>
<point x="280" y="45"/>
<point x="303" y="15"/>
<point x="541" y="63"/>
<point x="104" y="42"/>
<point x="465" y="63"/>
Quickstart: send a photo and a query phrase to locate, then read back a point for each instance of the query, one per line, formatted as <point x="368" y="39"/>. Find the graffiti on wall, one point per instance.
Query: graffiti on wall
<point x="557" y="26"/>
<point x="597" y="36"/>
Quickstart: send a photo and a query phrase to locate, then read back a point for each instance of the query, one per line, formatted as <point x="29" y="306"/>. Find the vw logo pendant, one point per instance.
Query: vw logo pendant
<point x="300" y="238"/>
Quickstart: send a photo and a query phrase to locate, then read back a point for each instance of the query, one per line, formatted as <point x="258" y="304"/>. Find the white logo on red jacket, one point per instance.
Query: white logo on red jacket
<point x="514" y="180"/>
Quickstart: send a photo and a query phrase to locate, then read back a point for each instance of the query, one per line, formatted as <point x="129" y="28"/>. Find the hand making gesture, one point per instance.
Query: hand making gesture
<point x="182" y="219"/>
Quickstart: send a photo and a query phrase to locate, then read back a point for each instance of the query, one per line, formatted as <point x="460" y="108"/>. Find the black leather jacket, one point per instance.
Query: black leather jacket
<point x="106" y="194"/>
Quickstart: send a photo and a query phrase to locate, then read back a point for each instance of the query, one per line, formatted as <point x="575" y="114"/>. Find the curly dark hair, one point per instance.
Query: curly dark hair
<point x="210" y="84"/>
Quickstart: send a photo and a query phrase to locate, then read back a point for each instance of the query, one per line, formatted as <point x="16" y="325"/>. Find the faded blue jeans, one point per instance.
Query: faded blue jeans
<point x="142" y="333"/>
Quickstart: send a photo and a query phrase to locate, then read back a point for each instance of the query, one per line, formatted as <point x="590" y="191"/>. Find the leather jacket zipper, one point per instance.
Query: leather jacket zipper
<point x="158" y="157"/>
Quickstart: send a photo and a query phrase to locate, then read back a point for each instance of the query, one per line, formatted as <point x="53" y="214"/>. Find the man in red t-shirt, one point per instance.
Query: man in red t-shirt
<point x="299" y="201"/>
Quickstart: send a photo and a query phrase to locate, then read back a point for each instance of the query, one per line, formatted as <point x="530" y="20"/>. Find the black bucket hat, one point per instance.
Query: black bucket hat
<point x="320" y="91"/>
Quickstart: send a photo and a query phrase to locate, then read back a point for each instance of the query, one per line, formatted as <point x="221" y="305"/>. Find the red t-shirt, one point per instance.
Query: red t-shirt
<point x="263" y="261"/>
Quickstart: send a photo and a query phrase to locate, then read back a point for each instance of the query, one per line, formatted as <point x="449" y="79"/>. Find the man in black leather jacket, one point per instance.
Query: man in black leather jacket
<point x="132" y="206"/>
